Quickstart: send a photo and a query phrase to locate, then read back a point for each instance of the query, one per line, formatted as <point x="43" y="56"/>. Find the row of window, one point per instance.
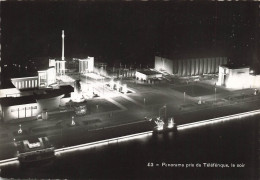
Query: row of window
<point x="26" y="84"/>
<point x="23" y="108"/>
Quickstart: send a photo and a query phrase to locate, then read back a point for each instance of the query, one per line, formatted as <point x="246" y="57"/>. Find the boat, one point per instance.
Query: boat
<point x="36" y="153"/>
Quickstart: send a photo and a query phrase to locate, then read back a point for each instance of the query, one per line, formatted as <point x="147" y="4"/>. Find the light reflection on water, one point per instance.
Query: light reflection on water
<point x="226" y="142"/>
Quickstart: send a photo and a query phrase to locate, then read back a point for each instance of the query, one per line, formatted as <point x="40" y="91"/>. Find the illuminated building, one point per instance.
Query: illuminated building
<point x="25" y="82"/>
<point x="46" y="77"/>
<point x="147" y="74"/>
<point x="18" y="108"/>
<point x="86" y="65"/>
<point x="30" y="106"/>
<point x="189" y="67"/>
<point x="38" y="94"/>
<point x="59" y="64"/>
<point x="237" y="77"/>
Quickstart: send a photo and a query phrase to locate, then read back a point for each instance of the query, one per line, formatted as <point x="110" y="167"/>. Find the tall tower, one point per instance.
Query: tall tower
<point x="60" y="64"/>
<point x="63" y="36"/>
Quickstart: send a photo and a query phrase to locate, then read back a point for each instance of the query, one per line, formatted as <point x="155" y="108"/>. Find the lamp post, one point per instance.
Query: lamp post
<point x="164" y="107"/>
<point x="72" y="121"/>
<point x="103" y="84"/>
<point x="184" y="95"/>
<point x="215" y="94"/>
<point x="20" y="131"/>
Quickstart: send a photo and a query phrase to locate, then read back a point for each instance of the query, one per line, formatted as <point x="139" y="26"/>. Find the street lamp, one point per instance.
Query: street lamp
<point x="20" y="131"/>
<point x="103" y="84"/>
<point x="72" y="121"/>
<point x="184" y="95"/>
<point x="164" y="107"/>
<point x="215" y="94"/>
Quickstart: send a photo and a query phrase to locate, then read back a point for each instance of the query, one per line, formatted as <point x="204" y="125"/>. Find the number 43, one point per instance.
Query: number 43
<point x="150" y="164"/>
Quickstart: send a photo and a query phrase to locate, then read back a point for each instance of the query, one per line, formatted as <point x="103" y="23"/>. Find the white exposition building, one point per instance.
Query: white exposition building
<point x="147" y="74"/>
<point x="48" y="76"/>
<point x="21" y="102"/>
<point x="86" y="65"/>
<point x="237" y="77"/>
<point x="189" y="67"/>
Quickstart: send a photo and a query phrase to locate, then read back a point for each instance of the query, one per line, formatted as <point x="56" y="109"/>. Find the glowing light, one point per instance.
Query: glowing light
<point x="170" y="123"/>
<point x="7" y="162"/>
<point x="111" y="84"/>
<point x="72" y="121"/>
<point x="117" y="85"/>
<point x="124" y="88"/>
<point x="218" y="120"/>
<point x="102" y="142"/>
<point x="20" y="131"/>
<point x="159" y="122"/>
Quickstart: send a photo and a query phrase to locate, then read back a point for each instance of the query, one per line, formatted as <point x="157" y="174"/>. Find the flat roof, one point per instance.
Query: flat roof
<point x="182" y="58"/>
<point x="148" y="72"/>
<point x="55" y="92"/>
<point x="235" y="66"/>
<point x="12" y="101"/>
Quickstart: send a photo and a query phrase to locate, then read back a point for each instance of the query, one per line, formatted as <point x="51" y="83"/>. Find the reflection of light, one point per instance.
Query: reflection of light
<point x="7" y="162"/>
<point x="170" y="123"/>
<point x="159" y="128"/>
<point x="217" y="120"/>
<point x="102" y="142"/>
<point x="159" y="122"/>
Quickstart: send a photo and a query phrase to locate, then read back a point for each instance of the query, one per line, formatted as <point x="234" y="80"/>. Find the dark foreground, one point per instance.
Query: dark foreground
<point x="232" y="142"/>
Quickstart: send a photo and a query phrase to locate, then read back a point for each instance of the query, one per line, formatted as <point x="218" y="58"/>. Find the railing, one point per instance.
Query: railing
<point x="140" y="135"/>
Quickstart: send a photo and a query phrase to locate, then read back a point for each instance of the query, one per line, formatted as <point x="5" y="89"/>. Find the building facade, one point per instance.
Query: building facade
<point x="237" y="77"/>
<point x="147" y="74"/>
<point x="30" y="106"/>
<point x="86" y="65"/>
<point x="25" y="82"/>
<point x="189" y="67"/>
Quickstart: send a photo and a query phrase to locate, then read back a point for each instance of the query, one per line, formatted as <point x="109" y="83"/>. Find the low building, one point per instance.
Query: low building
<point x="30" y="106"/>
<point x="237" y="77"/>
<point x="12" y="108"/>
<point x="189" y="66"/>
<point x="86" y="65"/>
<point x="147" y="74"/>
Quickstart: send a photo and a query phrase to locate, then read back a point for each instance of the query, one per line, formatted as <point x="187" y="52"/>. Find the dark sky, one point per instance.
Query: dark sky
<point x="128" y="31"/>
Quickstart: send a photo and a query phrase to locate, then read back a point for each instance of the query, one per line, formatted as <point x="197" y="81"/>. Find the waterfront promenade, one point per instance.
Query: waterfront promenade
<point x="126" y="116"/>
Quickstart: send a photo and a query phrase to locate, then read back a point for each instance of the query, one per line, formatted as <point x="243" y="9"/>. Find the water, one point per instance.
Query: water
<point x="233" y="142"/>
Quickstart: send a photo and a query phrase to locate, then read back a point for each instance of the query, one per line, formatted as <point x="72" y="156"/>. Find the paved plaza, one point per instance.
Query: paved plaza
<point x="127" y="113"/>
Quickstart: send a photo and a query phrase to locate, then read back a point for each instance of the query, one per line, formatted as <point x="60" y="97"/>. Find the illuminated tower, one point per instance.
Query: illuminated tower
<point x="63" y="35"/>
<point x="60" y="65"/>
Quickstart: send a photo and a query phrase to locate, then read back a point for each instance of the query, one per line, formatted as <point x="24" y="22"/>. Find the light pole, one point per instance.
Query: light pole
<point x="20" y="131"/>
<point x="184" y="95"/>
<point x="103" y="84"/>
<point x="215" y="94"/>
<point x="144" y="101"/>
<point x="164" y="107"/>
<point x="72" y="121"/>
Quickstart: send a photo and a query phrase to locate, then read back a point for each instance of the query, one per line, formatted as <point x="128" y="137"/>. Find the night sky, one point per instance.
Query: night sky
<point x="129" y="32"/>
